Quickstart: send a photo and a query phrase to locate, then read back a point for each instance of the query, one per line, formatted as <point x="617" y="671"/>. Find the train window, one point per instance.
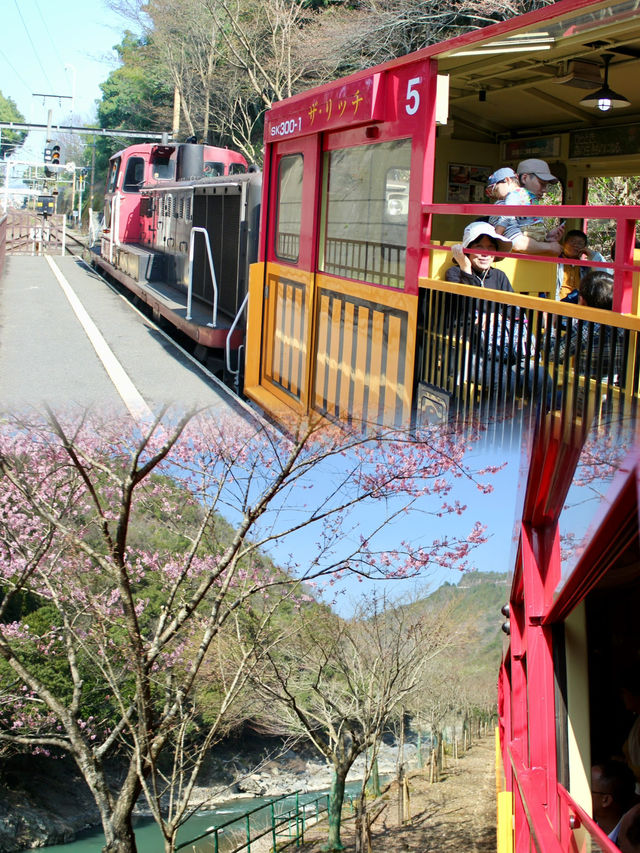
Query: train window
<point x="290" y="170"/>
<point x="213" y="169"/>
<point x="114" y="169"/>
<point x="367" y="202"/>
<point x="134" y="176"/>
<point x="164" y="170"/>
<point x="237" y="169"/>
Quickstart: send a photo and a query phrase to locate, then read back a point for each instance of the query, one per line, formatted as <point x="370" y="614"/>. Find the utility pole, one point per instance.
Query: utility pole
<point x="175" y="130"/>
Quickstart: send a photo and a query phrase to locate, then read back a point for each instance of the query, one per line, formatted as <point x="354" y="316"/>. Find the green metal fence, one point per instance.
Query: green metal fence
<point x="285" y="823"/>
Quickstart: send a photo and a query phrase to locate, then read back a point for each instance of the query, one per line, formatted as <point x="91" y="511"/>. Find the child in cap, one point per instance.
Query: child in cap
<point x="504" y="182"/>
<point x="527" y="233"/>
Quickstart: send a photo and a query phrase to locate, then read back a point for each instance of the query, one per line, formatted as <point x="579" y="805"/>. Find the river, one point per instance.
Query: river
<point x="149" y="837"/>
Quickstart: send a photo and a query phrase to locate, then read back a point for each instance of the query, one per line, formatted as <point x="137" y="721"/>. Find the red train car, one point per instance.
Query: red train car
<point x="146" y="164"/>
<point x="574" y="637"/>
<point x="369" y="180"/>
<point x="181" y="228"/>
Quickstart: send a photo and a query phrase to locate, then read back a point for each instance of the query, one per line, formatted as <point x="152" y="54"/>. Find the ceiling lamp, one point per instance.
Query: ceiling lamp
<point x="605" y="99"/>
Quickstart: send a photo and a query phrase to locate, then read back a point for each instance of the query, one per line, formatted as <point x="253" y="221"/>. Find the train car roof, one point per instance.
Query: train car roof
<point x="529" y="73"/>
<point x="149" y="146"/>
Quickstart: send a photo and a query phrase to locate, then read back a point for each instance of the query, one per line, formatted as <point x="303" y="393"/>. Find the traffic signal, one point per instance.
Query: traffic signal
<point x="51" y="156"/>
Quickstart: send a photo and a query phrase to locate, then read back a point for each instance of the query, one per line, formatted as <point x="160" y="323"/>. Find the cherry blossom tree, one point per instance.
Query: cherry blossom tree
<point x="107" y="628"/>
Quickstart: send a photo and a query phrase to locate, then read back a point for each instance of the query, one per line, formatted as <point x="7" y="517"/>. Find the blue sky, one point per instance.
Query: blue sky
<point x="41" y="38"/>
<point x="497" y="511"/>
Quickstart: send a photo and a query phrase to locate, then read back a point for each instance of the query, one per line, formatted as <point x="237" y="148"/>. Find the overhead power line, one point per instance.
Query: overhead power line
<point x="36" y="53"/>
<point x="87" y="131"/>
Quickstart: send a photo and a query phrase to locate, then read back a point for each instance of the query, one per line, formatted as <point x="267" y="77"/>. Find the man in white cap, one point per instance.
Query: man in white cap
<point x="527" y="233"/>
<point x="499" y="348"/>
<point x="475" y="265"/>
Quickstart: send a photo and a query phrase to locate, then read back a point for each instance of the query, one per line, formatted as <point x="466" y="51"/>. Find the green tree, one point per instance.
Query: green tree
<point x="11" y="139"/>
<point x="136" y="96"/>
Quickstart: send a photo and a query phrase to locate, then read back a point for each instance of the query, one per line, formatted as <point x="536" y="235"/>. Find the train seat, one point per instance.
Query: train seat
<point x="526" y="276"/>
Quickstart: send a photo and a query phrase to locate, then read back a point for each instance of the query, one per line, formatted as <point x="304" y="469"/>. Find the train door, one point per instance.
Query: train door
<point x="288" y="288"/>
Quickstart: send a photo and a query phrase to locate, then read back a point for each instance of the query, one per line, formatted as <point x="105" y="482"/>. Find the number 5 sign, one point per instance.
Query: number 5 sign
<point x="412" y="104"/>
<point x="416" y="91"/>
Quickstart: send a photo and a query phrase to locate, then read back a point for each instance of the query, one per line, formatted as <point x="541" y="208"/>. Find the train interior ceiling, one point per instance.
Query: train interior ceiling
<point x="518" y="96"/>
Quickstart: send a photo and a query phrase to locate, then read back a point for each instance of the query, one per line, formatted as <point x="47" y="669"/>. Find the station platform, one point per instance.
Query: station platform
<point x="48" y="355"/>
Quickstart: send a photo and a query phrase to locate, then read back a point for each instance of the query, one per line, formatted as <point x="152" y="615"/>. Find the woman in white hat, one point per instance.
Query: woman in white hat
<point x="474" y="258"/>
<point x="501" y="343"/>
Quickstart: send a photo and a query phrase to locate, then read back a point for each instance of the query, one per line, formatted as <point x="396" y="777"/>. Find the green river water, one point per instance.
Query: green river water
<point x="149" y="838"/>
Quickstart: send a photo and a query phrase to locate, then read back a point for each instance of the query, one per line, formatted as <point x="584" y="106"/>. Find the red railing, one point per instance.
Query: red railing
<point x="625" y="218"/>
<point x="577" y="826"/>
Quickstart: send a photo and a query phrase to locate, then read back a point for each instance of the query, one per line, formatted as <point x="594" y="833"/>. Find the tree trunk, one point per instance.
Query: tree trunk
<point x="120" y="844"/>
<point x="360" y="823"/>
<point x="375" y="779"/>
<point x="400" y="795"/>
<point x="336" y="799"/>
<point x="118" y="828"/>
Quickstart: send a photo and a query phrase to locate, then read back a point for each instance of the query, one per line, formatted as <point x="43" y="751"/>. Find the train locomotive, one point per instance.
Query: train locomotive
<point x="170" y="210"/>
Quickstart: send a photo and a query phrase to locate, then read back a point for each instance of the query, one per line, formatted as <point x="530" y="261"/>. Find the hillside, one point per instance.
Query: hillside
<point x="477" y="600"/>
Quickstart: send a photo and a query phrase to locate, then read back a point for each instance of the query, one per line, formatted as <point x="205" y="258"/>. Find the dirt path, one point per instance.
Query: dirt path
<point x="456" y="814"/>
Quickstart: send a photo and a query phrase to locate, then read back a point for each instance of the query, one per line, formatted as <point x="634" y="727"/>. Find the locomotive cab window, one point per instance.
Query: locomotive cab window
<point x="164" y="169"/>
<point x="134" y="176"/>
<point x="366" y="203"/>
<point x="213" y="169"/>
<point x="114" y="170"/>
<point x="237" y="169"/>
<point x="290" y="170"/>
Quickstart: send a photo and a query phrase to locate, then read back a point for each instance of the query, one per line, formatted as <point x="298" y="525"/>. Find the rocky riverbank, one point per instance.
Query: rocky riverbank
<point x="43" y="801"/>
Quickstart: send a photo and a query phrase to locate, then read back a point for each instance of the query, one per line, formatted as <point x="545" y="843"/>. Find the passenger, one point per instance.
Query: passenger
<point x="596" y="290"/>
<point x="574" y="246"/>
<point x="477" y="267"/>
<point x="612" y="787"/>
<point x="631" y="747"/>
<point x="604" y="343"/>
<point x="629" y="834"/>
<point x="527" y="233"/>
<point x="502" y="341"/>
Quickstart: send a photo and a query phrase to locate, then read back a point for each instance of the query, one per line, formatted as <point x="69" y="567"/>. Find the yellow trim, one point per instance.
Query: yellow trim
<point x="504" y="804"/>
<point x="254" y="325"/>
<point x="505" y="823"/>
<point x="363" y="339"/>
<point x="578" y="719"/>
<point x="364" y="342"/>
<point x="566" y="309"/>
